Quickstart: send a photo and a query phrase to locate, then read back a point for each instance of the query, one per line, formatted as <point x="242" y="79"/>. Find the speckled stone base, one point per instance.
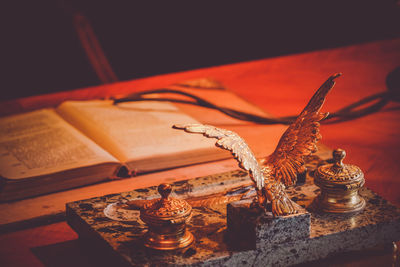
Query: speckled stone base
<point x="254" y="229"/>
<point x="273" y="241"/>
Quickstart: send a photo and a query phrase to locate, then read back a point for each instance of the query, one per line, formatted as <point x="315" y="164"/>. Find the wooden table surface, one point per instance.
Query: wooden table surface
<point x="281" y="86"/>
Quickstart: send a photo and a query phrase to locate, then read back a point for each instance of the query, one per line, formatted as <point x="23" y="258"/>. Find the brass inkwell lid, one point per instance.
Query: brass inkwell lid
<point x="166" y="219"/>
<point x="339" y="185"/>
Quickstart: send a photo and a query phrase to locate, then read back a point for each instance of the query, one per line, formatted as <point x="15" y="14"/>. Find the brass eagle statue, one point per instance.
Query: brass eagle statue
<point x="281" y="168"/>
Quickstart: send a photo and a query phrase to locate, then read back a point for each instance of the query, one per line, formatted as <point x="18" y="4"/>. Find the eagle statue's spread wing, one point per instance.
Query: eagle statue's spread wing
<point x="231" y="141"/>
<point x="299" y="139"/>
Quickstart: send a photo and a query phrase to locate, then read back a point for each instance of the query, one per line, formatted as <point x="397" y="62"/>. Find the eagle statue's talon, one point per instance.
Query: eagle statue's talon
<point x="283" y="206"/>
<point x="285" y="163"/>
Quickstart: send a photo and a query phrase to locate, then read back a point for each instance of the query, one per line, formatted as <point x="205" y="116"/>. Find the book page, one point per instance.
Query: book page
<point x="41" y="142"/>
<point x="134" y="130"/>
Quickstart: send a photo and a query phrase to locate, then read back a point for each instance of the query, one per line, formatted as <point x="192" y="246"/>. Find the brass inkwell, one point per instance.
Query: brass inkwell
<point x="339" y="185"/>
<point x="166" y="219"/>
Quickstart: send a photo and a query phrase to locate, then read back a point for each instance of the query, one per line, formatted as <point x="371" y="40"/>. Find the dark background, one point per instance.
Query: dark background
<point x="42" y="52"/>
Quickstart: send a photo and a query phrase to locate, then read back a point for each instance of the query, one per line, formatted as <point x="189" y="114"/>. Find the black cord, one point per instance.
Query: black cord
<point x="198" y="101"/>
<point x="372" y="104"/>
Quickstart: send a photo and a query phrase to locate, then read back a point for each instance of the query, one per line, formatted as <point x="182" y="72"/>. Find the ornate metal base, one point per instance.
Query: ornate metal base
<point x="326" y="203"/>
<point x="168" y="242"/>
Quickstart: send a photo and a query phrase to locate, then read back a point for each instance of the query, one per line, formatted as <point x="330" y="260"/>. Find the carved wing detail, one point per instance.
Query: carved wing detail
<point x="299" y="139"/>
<point x="233" y="142"/>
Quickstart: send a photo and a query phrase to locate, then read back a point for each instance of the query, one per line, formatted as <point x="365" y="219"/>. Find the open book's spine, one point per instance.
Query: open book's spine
<point x="121" y="173"/>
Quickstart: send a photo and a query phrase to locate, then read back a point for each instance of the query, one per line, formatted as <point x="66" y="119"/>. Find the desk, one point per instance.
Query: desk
<point x="281" y="86"/>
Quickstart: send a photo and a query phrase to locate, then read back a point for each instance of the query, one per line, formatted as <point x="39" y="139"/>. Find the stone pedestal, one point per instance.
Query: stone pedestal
<point x="235" y="235"/>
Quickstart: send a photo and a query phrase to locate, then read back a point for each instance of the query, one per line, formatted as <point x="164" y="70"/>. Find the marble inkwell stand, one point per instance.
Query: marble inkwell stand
<point x="227" y="232"/>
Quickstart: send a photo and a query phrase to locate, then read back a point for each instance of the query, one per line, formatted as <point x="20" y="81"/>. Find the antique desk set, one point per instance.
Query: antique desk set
<point x="292" y="207"/>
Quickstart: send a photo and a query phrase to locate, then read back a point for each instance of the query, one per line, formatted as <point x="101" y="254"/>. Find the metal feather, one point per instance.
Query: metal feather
<point x="234" y="143"/>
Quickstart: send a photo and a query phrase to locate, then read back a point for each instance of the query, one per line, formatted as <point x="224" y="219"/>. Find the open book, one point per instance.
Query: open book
<point x="83" y="142"/>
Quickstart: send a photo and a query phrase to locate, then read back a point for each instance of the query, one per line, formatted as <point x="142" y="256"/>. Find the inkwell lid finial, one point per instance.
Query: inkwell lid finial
<point x="165" y="208"/>
<point x="338" y="171"/>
